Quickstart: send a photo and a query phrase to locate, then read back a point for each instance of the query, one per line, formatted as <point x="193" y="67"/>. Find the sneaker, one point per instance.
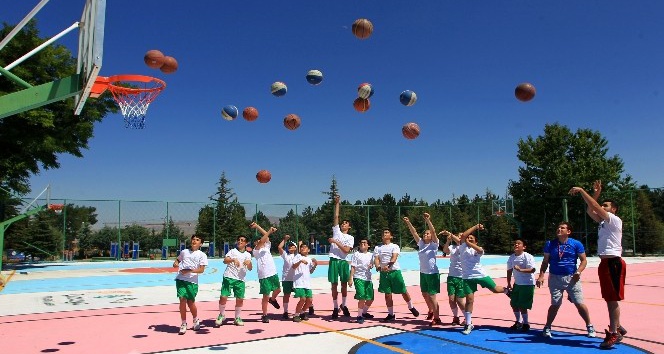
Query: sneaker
<point x="516" y="326"/>
<point x="367" y="315"/>
<point x="467" y="329"/>
<point x="345" y="310"/>
<point x="219" y="321"/>
<point x="297" y="319"/>
<point x="238" y="322"/>
<point x="311" y="311"/>
<point x="389" y="318"/>
<point x="591" y="331"/>
<point x="285" y="316"/>
<point x="546" y="331"/>
<point x="359" y="319"/>
<point x="456" y="321"/>
<point x="197" y="325"/>
<point x="621" y="333"/>
<point x="436" y="322"/>
<point x="610" y="340"/>
<point x="335" y="314"/>
<point x="525" y="327"/>
<point x="414" y="311"/>
<point x="508" y="292"/>
<point x="274" y="303"/>
<point x="265" y="319"/>
<point x="304" y="317"/>
<point x="183" y="329"/>
<point x="429" y="316"/>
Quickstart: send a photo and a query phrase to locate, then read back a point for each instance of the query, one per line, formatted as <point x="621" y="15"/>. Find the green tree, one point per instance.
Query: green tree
<point x="650" y="230"/>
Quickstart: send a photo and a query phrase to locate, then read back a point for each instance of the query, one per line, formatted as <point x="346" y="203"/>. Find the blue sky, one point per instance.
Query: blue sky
<point x="595" y="64"/>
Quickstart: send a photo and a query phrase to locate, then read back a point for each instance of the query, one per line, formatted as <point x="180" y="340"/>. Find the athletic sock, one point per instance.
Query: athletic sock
<point x="222" y="308"/>
<point x="286" y="306"/>
<point x="525" y="318"/>
<point x="336" y="304"/>
<point x="359" y="312"/>
<point x="390" y="310"/>
<point x="238" y="311"/>
<point x="469" y="317"/>
<point x="517" y="316"/>
<point x="343" y="301"/>
<point x="365" y="309"/>
<point x="455" y="312"/>
<point x="410" y="304"/>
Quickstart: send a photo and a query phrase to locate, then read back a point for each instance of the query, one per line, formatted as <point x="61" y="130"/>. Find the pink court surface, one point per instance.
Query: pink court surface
<point x="107" y="316"/>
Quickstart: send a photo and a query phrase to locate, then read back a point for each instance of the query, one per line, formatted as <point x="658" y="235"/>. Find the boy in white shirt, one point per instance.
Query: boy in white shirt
<point x="267" y="271"/>
<point x="238" y="262"/>
<point x="391" y="280"/>
<point x="360" y="275"/>
<point x="190" y="263"/>
<point x="341" y="243"/>
<point x="521" y="264"/>
<point x="456" y="288"/>
<point x="287" y="270"/>
<point x="303" y="266"/>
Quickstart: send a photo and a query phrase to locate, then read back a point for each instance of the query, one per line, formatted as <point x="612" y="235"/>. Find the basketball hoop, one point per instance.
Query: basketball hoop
<point x="134" y="101"/>
<point x="500" y="213"/>
<point x="57" y="208"/>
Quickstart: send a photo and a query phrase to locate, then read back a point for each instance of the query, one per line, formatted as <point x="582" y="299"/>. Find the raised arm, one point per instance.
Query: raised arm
<point x="448" y="241"/>
<point x="282" y="243"/>
<point x="337" y="199"/>
<point x="594" y="210"/>
<point x="266" y="234"/>
<point x="434" y="236"/>
<point x="477" y="227"/>
<point x="413" y="232"/>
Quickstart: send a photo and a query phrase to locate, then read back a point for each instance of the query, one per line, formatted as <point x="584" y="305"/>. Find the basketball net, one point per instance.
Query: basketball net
<point x="133" y="93"/>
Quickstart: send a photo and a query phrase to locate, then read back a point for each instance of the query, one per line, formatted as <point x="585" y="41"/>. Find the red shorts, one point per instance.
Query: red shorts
<point x="611" y="273"/>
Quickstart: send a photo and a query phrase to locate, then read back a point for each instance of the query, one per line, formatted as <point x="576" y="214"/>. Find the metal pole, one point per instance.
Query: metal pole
<point x="64" y="228"/>
<point x="117" y="254"/>
<point x="631" y="202"/>
<point x="21" y="24"/>
<point x="565" y="218"/>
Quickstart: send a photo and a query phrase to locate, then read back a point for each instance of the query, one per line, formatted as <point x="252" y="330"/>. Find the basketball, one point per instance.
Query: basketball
<point x="263" y="176"/>
<point x="278" y="89"/>
<point x="314" y="77"/>
<point x="408" y="98"/>
<point x="362" y="28"/>
<point x="410" y="131"/>
<point x="292" y="121"/>
<point x="525" y="92"/>
<point x="250" y="114"/>
<point x="170" y="65"/>
<point x="365" y="90"/>
<point x="229" y="112"/>
<point x="154" y="59"/>
<point x="361" y="104"/>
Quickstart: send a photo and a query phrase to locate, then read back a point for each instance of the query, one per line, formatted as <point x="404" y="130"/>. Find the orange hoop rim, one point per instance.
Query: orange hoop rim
<point x="103" y="83"/>
<point x="56" y="207"/>
<point x="500" y="213"/>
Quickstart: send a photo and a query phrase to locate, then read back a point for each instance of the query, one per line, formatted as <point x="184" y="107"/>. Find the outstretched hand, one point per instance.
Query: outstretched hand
<point x="575" y="190"/>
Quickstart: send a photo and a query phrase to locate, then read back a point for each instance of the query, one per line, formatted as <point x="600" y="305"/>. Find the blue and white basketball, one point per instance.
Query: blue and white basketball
<point x="278" y="89"/>
<point x="314" y="77"/>
<point x="365" y="90"/>
<point x="408" y="98"/>
<point x="229" y="112"/>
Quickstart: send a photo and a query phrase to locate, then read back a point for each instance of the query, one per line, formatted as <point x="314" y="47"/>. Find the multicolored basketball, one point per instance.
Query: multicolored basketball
<point x="365" y="90"/>
<point x="408" y="98"/>
<point x="170" y="65"/>
<point x="229" y="112"/>
<point x="263" y="176"/>
<point x="361" y="104"/>
<point x="525" y="92"/>
<point x="154" y="59"/>
<point x="410" y="130"/>
<point x="292" y="121"/>
<point x="362" y="28"/>
<point x="278" y="88"/>
<point x="250" y="114"/>
<point x="314" y="77"/>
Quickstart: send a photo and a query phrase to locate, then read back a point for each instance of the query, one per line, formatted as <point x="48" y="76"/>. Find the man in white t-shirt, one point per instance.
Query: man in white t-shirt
<point x="238" y="262"/>
<point x="268" y="279"/>
<point x="341" y="243"/>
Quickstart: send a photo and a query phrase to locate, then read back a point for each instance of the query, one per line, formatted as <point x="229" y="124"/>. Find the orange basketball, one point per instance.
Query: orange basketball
<point x="361" y="104"/>
<point x="263" y="176"/>
<point x="362" y="28"/>
<point x="154" y="59"/>
<point x="292" y="121"/>
<point x="170" y="65"/>
<point x="525" y="92"/>
<point x="410" y="130"/>
<point x="250" y="114"/>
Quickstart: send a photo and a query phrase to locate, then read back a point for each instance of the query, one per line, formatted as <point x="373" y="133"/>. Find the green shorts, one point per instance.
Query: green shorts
<point x="338" y="269"/>
<point x="391" y="283"/>
<point x="363" y="289"/>
<point x="234" y="285"/>
<point x="302" y="292"/>
<point x="268" y="284"/>
<point x="287" y="286"/>
<point x="456" y="287"/>
<point x="522" y="296"/>
<point x="485" y="282"/>
<point x="430" y="283"/>
<point x="185" y="289"/>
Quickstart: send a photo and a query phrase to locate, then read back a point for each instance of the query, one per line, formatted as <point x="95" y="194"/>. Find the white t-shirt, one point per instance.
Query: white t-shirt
<point x="384" y="254"/>
<point x="232" y="271"/>
<point x="302" y="276"/>
<point x="524" y="260"/>
<point x="362" y="263"/>
<point x="287" y="271"/>
<point x="345" y="239"/>
<point x="470" y="263"/>
<point x="265" y="261"/>
<point x="609" y="241"/>
<point x="427" y="254"/>
<point x="190" y="260"/>
<point x="455" y="262"/>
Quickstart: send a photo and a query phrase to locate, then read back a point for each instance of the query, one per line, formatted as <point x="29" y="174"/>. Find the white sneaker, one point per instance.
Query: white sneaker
<point x="591" y="331"/>
<point x="183" y="329"/>
<point x="468" y="328"/>
<point x="220" y="320"/>
<point x="547" y="332"/>
<point x="197" y="325"/>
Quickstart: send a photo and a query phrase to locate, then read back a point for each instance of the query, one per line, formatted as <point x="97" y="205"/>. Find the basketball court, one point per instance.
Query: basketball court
<point x="130" y="307"/>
